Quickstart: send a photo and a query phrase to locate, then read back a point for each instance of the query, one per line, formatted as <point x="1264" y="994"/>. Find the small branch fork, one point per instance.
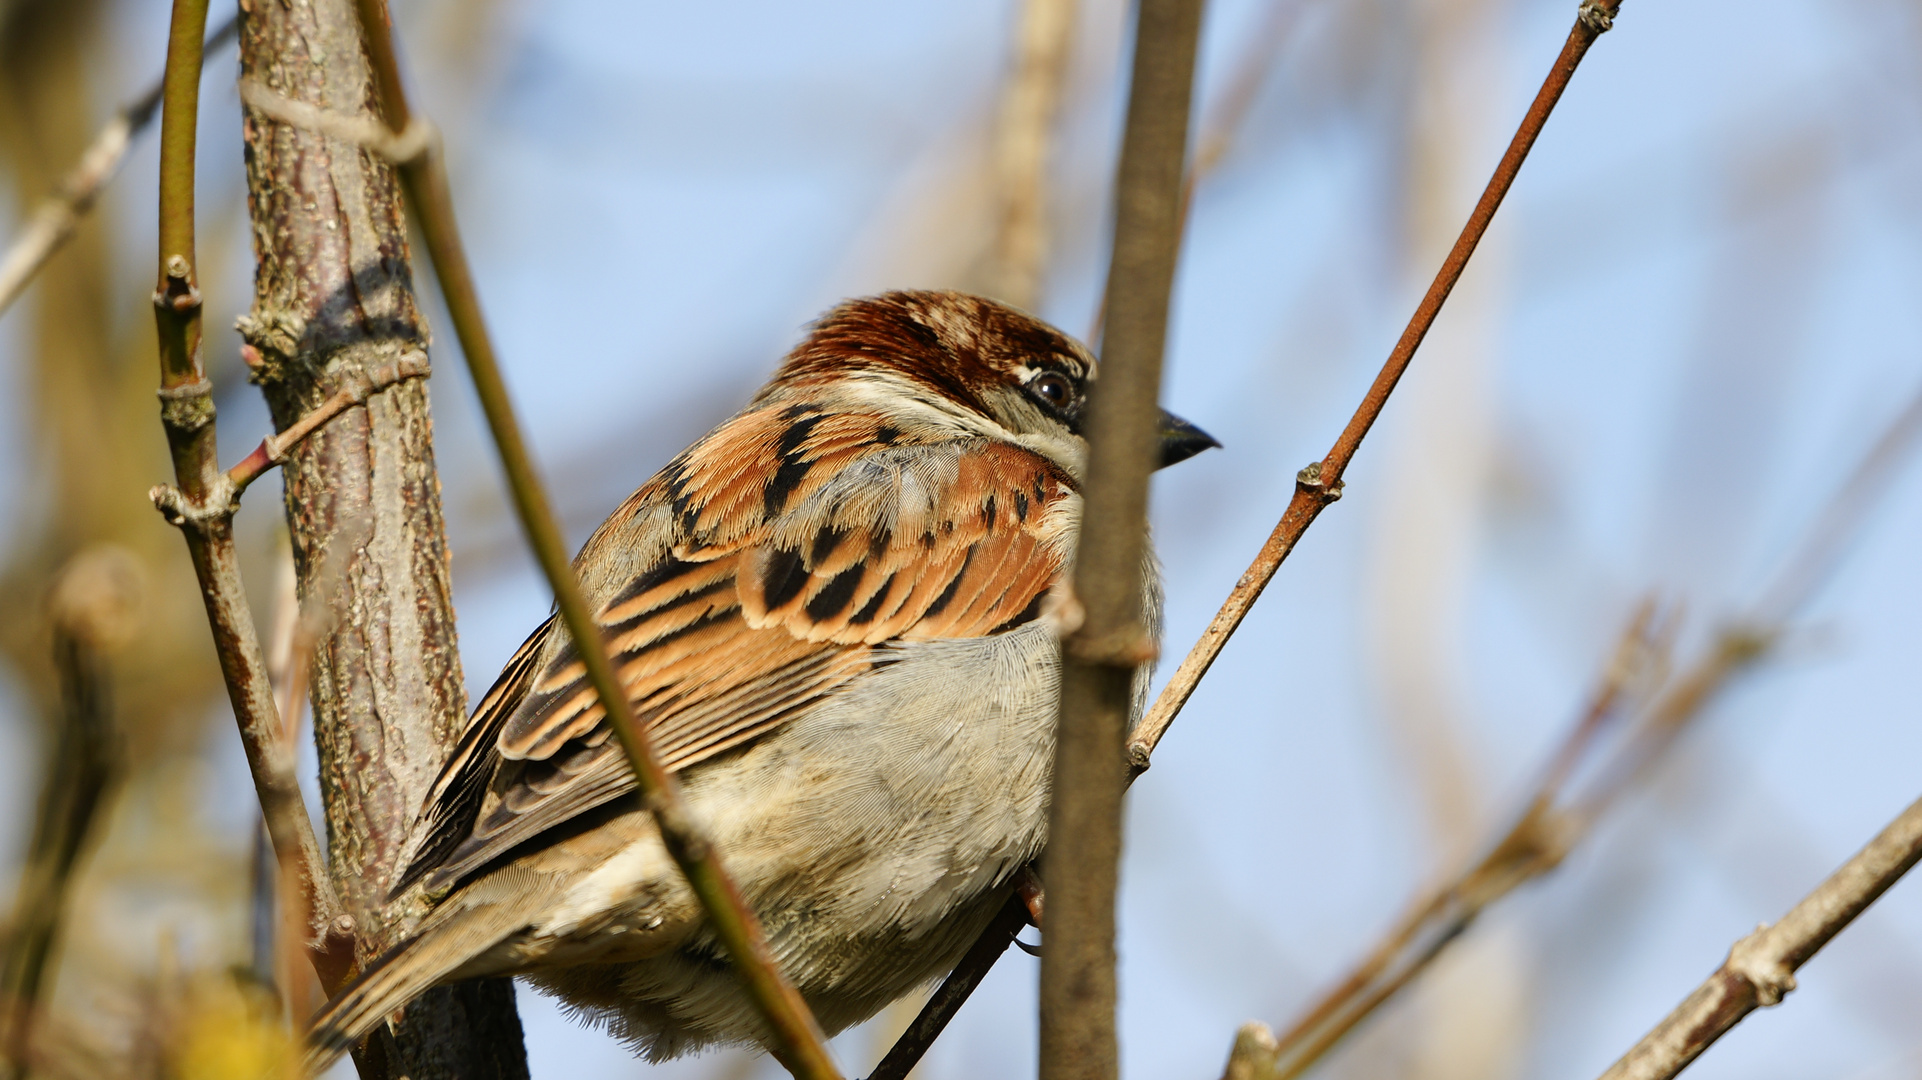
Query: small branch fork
<point x="797" y="1039"/>
<point x="203" y="505"/>
<point x="55" y="219"/>
<point x="1320" y="483"/>
<point x="363" y="384"/>
<point x="1761" y="967"/>
<point x="1536" y="843"/>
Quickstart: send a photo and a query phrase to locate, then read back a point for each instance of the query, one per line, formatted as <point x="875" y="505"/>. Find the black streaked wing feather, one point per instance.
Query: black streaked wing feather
<point x="462" y="785"/>
<point x="754" y="615"/>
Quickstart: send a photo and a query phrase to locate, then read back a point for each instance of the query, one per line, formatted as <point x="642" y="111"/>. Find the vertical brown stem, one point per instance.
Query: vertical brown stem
<point x="333" y="298"/>
<point x="1101" y="658"/>
<point x="204" y="502"/>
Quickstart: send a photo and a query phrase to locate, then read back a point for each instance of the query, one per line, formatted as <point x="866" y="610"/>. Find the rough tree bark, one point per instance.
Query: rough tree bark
<point x="333" y="299"/>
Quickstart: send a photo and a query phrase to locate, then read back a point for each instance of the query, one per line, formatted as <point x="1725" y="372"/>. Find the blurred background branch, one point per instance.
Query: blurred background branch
<point x="1030" y="102"/>
<point x="95" y="607"/>
<point x="1600" y="759"/>
<point x="53" y="222"/>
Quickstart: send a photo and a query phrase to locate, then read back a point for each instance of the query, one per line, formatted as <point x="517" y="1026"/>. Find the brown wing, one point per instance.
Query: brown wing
<point x="796" y="541"/>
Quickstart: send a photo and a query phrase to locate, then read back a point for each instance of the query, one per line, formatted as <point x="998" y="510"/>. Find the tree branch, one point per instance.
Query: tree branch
<point x="1029" y="107"/>
<point x="55" y="219"/>
<point x="1561" y="812"/>
<point x="1761" y="967"/>
<point x="798" y="1040"/>
<point x="1320" y="483"/>
<point x="1101" y="657"/>
<point x="332" y="327"/>
<point x="203" y="504"/>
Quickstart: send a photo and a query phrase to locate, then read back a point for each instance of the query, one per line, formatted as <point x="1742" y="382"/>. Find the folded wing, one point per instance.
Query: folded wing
<point x="787" y="546"/>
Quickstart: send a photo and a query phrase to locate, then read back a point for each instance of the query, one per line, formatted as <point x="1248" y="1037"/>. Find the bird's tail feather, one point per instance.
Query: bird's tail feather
<point x="466" y="924"/>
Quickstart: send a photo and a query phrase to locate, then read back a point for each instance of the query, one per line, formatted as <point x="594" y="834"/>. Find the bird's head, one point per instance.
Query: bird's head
<point x="965" y="361"/>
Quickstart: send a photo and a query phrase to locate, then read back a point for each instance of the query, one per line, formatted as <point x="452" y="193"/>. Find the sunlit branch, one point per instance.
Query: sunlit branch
<point x="798" y="1040"/>
<point x="204" y="502"/>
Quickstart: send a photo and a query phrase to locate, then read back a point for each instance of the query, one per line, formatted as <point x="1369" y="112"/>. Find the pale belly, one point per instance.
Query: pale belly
<point x="875" y="834"/>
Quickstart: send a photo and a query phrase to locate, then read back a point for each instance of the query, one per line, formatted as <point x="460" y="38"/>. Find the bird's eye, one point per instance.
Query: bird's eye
<point x="1052" y="388"/>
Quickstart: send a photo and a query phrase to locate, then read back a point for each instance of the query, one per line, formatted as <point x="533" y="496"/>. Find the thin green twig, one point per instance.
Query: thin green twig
<point x="798" y="1040"/>
<point x="203" y="504"/>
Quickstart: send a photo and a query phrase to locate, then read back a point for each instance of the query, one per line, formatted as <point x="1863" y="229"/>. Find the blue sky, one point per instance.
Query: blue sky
<point x="1696" y="310"/>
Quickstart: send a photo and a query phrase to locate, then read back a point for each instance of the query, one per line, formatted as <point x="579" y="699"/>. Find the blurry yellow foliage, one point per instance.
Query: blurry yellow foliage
<point x="224" y="1033"/>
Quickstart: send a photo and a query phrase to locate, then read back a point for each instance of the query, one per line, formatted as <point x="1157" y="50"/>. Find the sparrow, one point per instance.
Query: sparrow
<point x="832" y="613"/>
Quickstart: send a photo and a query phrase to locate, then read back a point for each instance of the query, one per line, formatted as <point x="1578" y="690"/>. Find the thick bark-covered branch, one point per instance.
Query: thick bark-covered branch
<point x="798" y="1042"/>
<point x="333" y="322"/>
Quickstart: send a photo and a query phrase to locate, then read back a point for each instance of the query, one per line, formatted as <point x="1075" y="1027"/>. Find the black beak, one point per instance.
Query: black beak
<point x="1181" y="440"/>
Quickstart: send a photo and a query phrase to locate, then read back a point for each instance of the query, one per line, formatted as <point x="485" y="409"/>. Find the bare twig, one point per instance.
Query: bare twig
<point x="906" y="1052"/>
<point x="55" y="219"/>
<point x="798" y="1040"/>
<point x="204" y="503"/>
<point x="1587" y="774"/>
<point x="1100" y="658"/>
<point x="1029" y="106"/>
<point x="1320" y="483"/>
<point x="359" y="386"/>
<point x="1761" y="967"/>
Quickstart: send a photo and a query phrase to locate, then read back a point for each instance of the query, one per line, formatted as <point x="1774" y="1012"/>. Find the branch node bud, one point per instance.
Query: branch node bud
<point x="1596" y="15"/>
<point x="1309" y="481"/>
<point x="180" y="511"/>
<point x="188" y="407"/>
<point x="1752" y="960"/>
<point x="1128" y="647"/>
